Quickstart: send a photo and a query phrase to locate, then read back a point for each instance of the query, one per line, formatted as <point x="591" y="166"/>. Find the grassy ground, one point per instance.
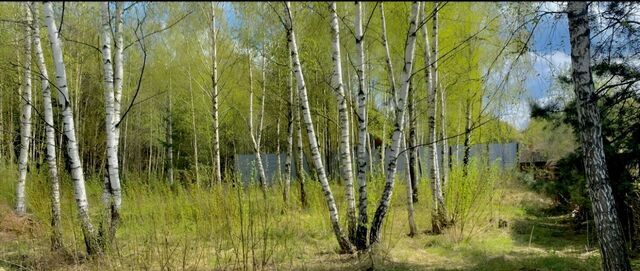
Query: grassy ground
<point x="230" y="228"/>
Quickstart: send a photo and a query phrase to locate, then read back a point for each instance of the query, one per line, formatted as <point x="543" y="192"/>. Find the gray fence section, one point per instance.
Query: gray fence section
<point x="245" y="165"/>
<point x="505" y="155"/>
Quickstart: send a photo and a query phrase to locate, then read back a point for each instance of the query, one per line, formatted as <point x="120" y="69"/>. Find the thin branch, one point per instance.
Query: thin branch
<point x="159" y="30"/>
<point x="61" y="20"/>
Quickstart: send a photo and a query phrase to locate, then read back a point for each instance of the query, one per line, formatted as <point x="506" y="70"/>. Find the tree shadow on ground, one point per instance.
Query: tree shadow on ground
<point x="544" y="228"/>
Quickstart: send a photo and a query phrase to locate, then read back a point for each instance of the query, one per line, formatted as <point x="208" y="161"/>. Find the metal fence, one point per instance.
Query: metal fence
<point x="504" y="155"/>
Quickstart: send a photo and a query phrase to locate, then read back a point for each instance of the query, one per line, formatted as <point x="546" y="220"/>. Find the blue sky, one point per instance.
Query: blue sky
<point x="550" y="57"/>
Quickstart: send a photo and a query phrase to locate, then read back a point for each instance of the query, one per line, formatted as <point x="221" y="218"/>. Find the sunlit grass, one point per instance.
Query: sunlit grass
<point x="234" y="227"/>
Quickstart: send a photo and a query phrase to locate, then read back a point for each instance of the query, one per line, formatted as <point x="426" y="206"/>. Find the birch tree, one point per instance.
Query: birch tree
<point x="77" y="173"/>
<point x="392" y="78"/>
<point x="118" y="67"/>
<point x="56" y="237"/>
<point x="440" y="92"/>
<point x="363" y="158"/>
<point x="345" y="146"/>
<point x="438" y="213"/>
<point x="300" y="154"/>
<point x="112" y="195"/>
<point x="290" y="123"/>
<point x="256" y="136"/>
<point x="392" y="155"/>
<point x="344" y="243"/>
<point x="217" y="177"/>
<point x="609" y="230"/>
<point x="25" y="118"/>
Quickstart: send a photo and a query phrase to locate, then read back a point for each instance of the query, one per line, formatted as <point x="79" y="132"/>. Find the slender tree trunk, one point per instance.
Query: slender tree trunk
<point x="443" y="106"/>
<point x="19" y="73"/>
<point x="195" y="134"/>
<point x="392" y="82"/>
<point x="25" y="118"/>
<point x="413" y="144"/>
<point x="434" y="173"/>
<point x="56" y="237"/>
<point x="124" y="147"/>
<point x="256" y="135"/>
<point x="612" y="244"/>
<point x="77" y="174"/>
<point x="217" y="177"/>
<point x="34" y="104"/>
<point x="300" y="161"/>
<point x="169" y="137"/>
<point x="383" y="205"/>
<point x="363" y="158"/>
<point x="290" y="122"/>
<point x="467" y="140"/>
<point x="443" y="135"/>
<point x="113" y="198"/>
<point x="438" y="213"/>
<point x="345" y="146"/>
<point x="118" y="72"/>
<point x="278" y="174"/>
<point x="150" y="158"/>
<point x="413" y="229"/>
<point x="343" y="241"/>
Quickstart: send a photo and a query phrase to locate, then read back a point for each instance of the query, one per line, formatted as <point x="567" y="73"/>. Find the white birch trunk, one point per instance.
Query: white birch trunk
<point x="392" y="155"/>
<point x="25" y="119"/>
<point x="112" y="192"/>
<point x="344" y="243"/>
<point x="437" y="210"/>
<point x="217" y="177"/>
<point x="256" y="135"/>
<point x="345" y="146"/>
<point x="363" y="157"/>
<point x="119" y="71"/>
<point x="392" y="81"/>
<point x="611" y="239"/>
<point x="56" y="238"/>
<point x="290" y="121"/>
<point x="434" y="173"/>
<point x="77" y="174"/>
<point x="263" y="176"/>
<point x="300" y="161"/>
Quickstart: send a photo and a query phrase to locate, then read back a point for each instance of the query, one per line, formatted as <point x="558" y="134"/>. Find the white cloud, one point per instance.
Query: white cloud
<point x="553" y="6"/>
<point x="550" y="64"/>
<point x="516" y="114"/>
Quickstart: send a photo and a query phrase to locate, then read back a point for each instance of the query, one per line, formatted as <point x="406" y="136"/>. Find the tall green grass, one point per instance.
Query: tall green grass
<point x="238" y="227"/>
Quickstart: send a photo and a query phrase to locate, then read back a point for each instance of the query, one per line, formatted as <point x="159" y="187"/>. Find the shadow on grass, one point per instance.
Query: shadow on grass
<point x="544" y="228"/>
<point x="541" y="263"/>
<point x="509" y="262"/>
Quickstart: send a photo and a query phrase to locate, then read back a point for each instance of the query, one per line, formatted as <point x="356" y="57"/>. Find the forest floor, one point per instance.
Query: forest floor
<point x="533" y="238"/>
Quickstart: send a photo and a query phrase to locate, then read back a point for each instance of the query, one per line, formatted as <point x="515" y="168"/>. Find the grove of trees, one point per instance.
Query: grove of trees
<point x="174" y="95"/>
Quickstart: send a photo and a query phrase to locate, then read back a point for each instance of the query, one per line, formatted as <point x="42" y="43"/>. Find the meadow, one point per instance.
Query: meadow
<point x="499" y="225"/>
